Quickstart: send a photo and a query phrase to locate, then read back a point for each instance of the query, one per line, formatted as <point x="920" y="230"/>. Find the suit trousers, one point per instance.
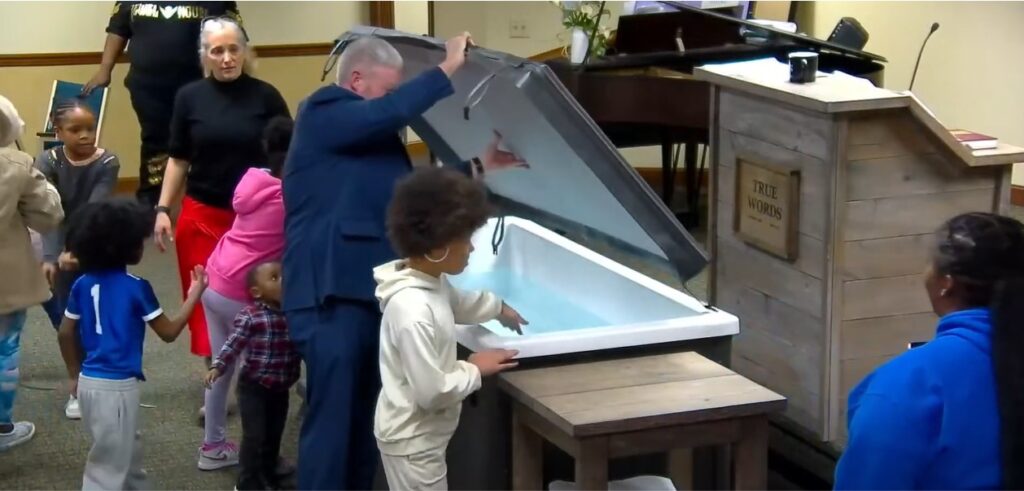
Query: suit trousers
<point x="339" y="343"/>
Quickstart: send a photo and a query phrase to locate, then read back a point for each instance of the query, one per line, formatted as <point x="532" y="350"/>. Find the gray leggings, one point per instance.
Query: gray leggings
<point x="220" y="319"/>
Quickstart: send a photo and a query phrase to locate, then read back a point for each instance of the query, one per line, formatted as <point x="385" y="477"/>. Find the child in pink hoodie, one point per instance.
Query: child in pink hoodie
<point x="256" y="236"/>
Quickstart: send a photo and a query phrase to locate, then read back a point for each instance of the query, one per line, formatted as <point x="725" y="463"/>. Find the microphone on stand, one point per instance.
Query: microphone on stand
<point x="935" y="27"/>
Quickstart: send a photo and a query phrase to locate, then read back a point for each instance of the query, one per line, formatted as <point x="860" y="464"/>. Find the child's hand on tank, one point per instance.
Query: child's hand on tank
<point x="211" y="377"/>
<point x="199" y="283"/>
<point x="511" y="319"/>
<point x="491" y="362"/>
<point x="50" y="272"/>
<point x="67" y="261"/>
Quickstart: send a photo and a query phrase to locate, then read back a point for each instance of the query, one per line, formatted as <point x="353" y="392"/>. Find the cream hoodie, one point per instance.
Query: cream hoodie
<point x="423" y="382"/>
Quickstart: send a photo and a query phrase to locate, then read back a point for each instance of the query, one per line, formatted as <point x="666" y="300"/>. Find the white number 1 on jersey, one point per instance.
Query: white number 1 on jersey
<point x="95" y="291"/>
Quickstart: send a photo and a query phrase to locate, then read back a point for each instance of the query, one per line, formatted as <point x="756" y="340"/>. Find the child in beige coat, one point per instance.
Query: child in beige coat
<point x="26" y="200"/>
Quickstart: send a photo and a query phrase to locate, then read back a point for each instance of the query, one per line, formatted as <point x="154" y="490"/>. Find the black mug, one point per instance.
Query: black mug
<point x="803" y="67"/>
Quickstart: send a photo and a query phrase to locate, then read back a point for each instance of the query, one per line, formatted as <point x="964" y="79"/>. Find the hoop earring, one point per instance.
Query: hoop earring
<point x="435" y="261"/>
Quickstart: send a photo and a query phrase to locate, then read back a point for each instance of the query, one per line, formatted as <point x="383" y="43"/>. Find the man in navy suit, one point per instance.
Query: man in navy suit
<point x="345" y="158"/>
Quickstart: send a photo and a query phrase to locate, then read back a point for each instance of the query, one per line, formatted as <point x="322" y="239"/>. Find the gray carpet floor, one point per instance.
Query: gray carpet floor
<point x="170" y="430"/>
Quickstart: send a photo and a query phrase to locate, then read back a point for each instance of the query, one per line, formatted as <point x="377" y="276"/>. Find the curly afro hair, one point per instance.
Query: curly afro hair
<point x="109" y="234"/>
<point x="433" y="207"/>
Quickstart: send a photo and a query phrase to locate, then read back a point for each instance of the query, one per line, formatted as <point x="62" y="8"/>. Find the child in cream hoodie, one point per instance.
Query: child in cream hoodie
<point x="432" y="216"/>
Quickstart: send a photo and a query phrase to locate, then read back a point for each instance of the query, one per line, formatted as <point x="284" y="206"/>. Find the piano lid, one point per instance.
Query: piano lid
<point x="704" y="28"/>
<point x="577" y="182"/>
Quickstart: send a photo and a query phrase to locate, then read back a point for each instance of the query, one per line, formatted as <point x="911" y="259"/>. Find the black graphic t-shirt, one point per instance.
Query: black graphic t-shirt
<point x="163" y="38"/>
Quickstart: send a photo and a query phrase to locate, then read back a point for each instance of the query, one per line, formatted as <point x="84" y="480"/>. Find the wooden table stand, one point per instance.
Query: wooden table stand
<point x="637" y="406"/>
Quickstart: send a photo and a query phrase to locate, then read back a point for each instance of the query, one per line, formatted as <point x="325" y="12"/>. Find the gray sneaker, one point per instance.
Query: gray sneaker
<point x="23" y="431"/>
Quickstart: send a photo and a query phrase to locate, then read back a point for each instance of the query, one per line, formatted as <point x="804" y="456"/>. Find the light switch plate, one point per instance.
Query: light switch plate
<point x="517" y="29"/>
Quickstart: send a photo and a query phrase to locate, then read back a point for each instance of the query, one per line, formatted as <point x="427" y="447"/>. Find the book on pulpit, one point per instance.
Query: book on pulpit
<point x="975" y="141"/>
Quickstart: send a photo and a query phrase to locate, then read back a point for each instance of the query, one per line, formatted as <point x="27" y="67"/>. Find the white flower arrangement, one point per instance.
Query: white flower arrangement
<point x="586" y="15"/>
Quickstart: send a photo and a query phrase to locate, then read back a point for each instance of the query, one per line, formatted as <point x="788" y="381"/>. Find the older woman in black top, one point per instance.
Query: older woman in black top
<point x="216" y="135"/>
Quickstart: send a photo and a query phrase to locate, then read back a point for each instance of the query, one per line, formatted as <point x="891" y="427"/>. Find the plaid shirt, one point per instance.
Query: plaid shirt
<point x="270" y="358"/>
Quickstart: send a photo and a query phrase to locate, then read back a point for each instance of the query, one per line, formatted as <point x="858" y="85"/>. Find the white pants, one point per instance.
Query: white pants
<point x="110" y="412"/>
<point x="424" y="471"/>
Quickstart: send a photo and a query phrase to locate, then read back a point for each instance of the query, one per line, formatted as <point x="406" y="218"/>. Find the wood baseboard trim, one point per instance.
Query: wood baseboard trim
<point x="418" y="150"/>
<point x="653" y="177"/>
<point x="1017" y="195"/>
<point x="549" y="54"/>
<point x="268" y="51"/>
<point x="289" y="50"/>
<point x="93" y="57"/>
<point x="126" y="186"/>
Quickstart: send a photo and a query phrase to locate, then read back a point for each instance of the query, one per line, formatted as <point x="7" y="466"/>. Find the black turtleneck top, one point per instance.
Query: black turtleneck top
<point x="218" y="128"/>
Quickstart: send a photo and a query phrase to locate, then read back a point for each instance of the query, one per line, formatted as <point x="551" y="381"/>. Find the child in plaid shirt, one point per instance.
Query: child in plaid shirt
<point x="269" y="369"/>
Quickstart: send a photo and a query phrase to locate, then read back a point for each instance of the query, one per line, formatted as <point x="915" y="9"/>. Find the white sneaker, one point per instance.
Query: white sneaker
<point x="217" y="456"/>
<point x="71" y="409"/>
<point x="22" y="432"/>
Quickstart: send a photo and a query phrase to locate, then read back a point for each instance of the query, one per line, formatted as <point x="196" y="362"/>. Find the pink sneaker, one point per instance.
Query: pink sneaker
<point x="217" y="456"/>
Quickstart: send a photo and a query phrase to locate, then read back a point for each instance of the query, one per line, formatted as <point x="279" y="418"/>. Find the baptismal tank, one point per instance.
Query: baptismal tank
<point x="577" y="195"/>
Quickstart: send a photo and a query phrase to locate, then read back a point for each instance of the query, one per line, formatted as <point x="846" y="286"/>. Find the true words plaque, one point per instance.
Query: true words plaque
<point x="767" y="207"/>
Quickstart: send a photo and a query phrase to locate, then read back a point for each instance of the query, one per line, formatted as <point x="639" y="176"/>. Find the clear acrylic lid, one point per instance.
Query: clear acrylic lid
<point x="577" y="182"/>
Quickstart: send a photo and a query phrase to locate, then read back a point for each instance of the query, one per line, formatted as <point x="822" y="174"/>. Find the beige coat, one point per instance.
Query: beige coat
<point x="26" y="200"/>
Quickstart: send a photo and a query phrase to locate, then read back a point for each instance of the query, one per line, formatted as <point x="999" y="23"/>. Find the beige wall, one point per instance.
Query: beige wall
<point x="53" y="27"/>
<point x="970" y="74"/>
<point x="488" y="22"/>
<point x="412" y="16"/>
<point x="967" y="75"/>
<point x="61" y="27"/>
<point x="29" y="87"/>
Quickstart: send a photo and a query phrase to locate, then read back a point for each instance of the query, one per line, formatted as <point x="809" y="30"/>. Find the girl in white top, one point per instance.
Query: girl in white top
<point x="431" y="219"/>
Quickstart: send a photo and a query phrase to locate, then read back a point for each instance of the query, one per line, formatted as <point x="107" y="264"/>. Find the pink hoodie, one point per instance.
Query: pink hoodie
<point x="256" y="236"/>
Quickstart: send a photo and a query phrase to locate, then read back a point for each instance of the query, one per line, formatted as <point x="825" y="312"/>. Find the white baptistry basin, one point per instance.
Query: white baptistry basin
<point x="576" y="299"/>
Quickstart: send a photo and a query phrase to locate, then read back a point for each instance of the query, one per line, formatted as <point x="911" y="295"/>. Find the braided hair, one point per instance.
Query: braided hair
<point x="984" y="254"/>
<point x="65" y="107"/>
<point x="277" y="138"/>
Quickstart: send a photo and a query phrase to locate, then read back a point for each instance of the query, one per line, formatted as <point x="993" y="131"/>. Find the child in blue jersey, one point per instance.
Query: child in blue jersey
<point x="101" y="336"/>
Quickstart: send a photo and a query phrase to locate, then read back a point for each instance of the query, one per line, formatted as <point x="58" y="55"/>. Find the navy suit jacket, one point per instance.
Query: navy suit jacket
<point x="345" y="158"/>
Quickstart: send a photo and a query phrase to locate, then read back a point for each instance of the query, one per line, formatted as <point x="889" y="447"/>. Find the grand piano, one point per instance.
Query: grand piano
<point x="641" y="92"/>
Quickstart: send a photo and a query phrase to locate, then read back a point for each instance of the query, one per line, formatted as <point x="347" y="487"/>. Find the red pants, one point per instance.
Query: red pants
<point x="200" y="227"/>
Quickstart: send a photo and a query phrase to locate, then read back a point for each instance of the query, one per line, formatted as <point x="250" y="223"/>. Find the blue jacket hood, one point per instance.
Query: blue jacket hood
<point x="973" y="326"/>
<point x="928" y="419"/>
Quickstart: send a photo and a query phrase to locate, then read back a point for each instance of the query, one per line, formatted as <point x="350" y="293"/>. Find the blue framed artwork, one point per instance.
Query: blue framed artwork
<point x="63" y="90"/>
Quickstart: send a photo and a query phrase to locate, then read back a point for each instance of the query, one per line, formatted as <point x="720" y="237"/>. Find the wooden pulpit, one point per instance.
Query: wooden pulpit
<point x="824" y="201"/>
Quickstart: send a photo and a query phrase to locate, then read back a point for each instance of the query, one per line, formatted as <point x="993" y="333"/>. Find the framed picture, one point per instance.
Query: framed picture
<point x="63" y="90"/>
<point x="767" y="208"/>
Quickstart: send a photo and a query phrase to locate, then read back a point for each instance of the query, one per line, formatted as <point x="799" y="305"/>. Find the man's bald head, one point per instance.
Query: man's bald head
<point x="370" y="67"/>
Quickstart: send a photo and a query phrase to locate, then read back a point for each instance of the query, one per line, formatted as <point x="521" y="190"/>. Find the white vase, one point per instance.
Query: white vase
<point x="578" y="48"/>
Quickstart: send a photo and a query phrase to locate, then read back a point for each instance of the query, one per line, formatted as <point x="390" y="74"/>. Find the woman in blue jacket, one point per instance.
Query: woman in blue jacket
<point x="950" y="414"/>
